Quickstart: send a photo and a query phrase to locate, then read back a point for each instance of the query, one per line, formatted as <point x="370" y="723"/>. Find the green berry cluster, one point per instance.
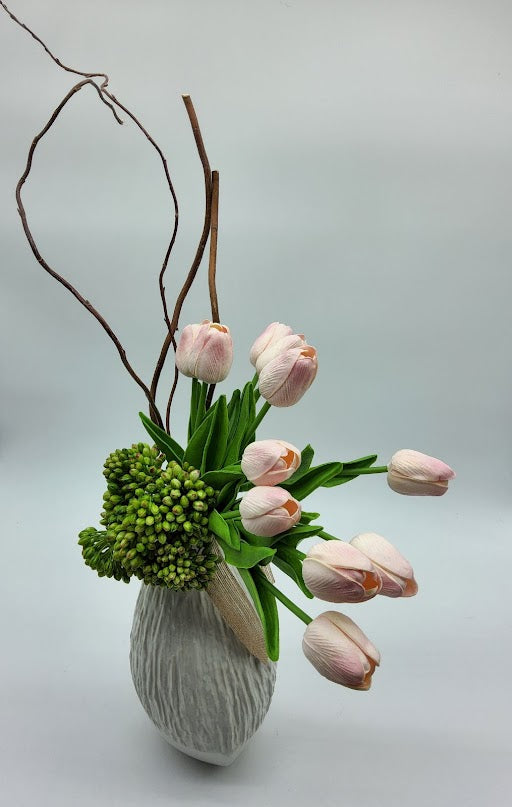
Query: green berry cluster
<point x="97" y="554"/>
<point x="156" y="522"/>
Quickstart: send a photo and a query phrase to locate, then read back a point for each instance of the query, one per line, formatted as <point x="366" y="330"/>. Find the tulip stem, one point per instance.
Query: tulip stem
<point x="379" y="469"/>
<point x="201" y="404"/>
<point x="262" y="580"/>
<point x="259" y="417"/>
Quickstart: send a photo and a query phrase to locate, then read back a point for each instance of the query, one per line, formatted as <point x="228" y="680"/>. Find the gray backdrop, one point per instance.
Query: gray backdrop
<point x="365" y="157"/>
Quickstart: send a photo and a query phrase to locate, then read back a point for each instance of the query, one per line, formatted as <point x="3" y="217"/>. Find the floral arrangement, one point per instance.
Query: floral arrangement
<point x="175" y="509"/>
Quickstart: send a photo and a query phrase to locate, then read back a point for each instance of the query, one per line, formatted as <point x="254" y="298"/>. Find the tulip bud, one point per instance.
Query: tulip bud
<point x="267" y="511"/>
<point x="205" y="352"/>
<point x="285" y="379"/>
<point x="395" y="571"/>
<point x="277" y="347"/>
<point x="415" y="474"/>
<point x="340" y="651"/>
<point x="337" y="572"/>
<point x="271" y="334"/>
<point x="270" y="462"/>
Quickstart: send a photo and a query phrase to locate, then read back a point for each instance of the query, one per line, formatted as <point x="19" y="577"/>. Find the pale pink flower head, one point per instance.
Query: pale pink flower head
<point x="340" y="651"/>
<point x="270" y="462"/>
<point x="205" y="351"/>
<point x="268" y="511"/>
<point x="337" y="572"/>
<point x="277" y="347"/>
<point x="272" y="334"/>
<point x="285" y="379"/>
<point x="415" y="474"/>
<point x="395" y="571"/>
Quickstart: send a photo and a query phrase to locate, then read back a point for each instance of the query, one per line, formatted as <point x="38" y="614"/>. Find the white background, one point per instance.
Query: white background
<point x="365" y="157"/>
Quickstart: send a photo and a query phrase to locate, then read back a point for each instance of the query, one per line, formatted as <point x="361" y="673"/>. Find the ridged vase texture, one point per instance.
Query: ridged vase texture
<point x="203" y="690"/>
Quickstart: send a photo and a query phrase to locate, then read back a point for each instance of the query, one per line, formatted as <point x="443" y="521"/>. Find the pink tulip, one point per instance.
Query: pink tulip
<point x="270" y="462"/>
<point x="415" y="474"/>
<point x="337" y="572"/>
<point x="272" y="333"/>
<point x="205" y="352"/>
<point x="285" y="379"/>
<point x="395" y="571"/>
<point x="340" y="651"/>
<point x="277" y="347"/>
<point x="267" y="511"/>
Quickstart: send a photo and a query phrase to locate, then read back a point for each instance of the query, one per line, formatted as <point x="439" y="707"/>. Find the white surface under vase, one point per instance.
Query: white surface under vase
<point x="203" y="690"/>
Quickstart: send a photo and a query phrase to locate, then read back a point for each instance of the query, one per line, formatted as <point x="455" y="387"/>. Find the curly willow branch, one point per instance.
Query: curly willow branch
<point x="21" y="210"/>
<point x="102" y="91"/>
<point x="198" y="256"/>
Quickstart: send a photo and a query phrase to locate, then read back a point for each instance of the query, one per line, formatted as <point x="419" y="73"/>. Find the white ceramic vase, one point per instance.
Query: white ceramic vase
<point x="203" y="690"/>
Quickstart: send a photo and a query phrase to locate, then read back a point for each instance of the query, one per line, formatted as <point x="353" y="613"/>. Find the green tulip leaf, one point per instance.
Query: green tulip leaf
<point x="234" y="407"/>
<point x="306" y="518"/>
<point x="306" y="458"/>
<point x="290" y="562"/>
<point x="222" y="530"/>
<point x="352" y="465"/>
<point x="271" y="623"/>
<point x="217" y="479"/>
<point x="236" y="436"/>
<point x="164" y="441"/>
<point x="216" y="442"/>
<point x="194" y="402"/>
<point x="362" y="462"/>
<point x="227" y="497"/>
<point x="268" y="617"/>
<point x="314" y="478"/>
<point x="299" y="533"/>
<point x="195" y="448"/>
<point x="246" y="556"/>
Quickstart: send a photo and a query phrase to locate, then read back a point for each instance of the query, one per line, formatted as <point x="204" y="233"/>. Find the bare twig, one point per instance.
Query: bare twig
<point x="199" y="252"/>
<point x="171" y="396"/>
<point x="103" y="94"/>
<point x="56" y="275"/>
<point x="50" y="54"/>
<point x="214" y="227"/>
<point x="173" y="194"/>
<point x="209" y="396"/>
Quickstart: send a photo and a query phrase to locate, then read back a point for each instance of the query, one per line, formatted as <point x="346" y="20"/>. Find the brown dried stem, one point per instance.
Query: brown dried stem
<point x="214" y="227"/>
<point x="199" y="252"/>
<point x="102" y="91"/>
<point x="50" y="54"/>
<point x="21" y="210"/>
<point x="173" y="194"/>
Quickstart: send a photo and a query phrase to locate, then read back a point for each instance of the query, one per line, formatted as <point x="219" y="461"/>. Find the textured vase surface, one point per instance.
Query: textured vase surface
<point x="203" y="690"/>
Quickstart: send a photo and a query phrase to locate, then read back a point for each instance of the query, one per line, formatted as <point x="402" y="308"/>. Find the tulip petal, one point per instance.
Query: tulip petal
<point x="276" y="347"/>
<point x="273" y="332"/>
<point x="335" y="655"/>
<point x="379" y="550"/>
<point x="260" y="500"/>
<point x="336" y="585"/>
<point x="414" y="465"/>
<point x="354" y="632"/>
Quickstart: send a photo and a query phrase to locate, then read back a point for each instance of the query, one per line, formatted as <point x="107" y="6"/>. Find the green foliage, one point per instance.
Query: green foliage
<point x="313" y="478"/>
<point x="241" y="416"/>
<point x="290" y="562"/>
<point x="247" y="555"/>
<point x="306" y="458"/>
<point x="266" y="608"/>
<point x="351" y="466"/>
<point x="164" y="441"/>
